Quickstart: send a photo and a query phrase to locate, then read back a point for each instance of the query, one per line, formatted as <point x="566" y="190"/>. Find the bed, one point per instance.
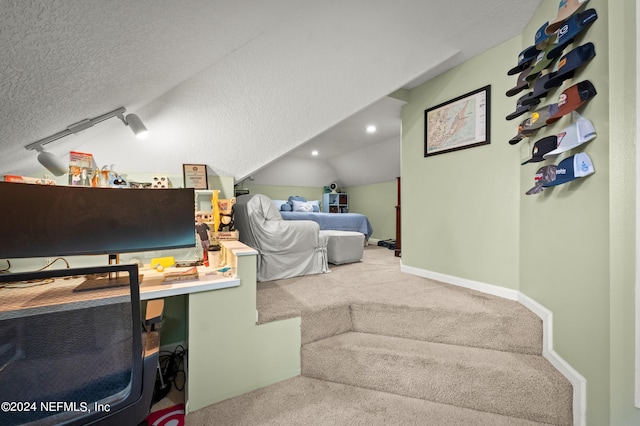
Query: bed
<point x="334" y="221"/>
<point x="329" y="221"/>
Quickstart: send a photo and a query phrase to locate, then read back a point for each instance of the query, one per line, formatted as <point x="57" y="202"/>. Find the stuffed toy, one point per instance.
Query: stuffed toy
<point x="225" y="207"/>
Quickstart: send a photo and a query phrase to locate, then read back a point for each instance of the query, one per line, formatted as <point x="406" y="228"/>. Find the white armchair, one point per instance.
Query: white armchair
<point x="286" y="248"/>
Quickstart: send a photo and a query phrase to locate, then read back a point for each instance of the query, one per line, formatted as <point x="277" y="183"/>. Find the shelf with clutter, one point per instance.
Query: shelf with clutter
<point x="84" y="174"/>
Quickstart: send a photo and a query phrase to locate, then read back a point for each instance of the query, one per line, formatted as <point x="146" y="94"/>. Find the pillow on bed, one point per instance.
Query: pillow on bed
<point x="316" y="205"/>
<point x="293" y="198"/>
<point x="301" y="206"/>
<point x="278" y="203"/>
<point x="286" y="207"/>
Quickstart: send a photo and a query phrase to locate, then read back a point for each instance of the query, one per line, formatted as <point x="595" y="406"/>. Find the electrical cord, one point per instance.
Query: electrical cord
<point x="7" y="269"/>
<point x="172" y="366"/>
<point x="170" y="372"/>
<point x="54" y="261"/>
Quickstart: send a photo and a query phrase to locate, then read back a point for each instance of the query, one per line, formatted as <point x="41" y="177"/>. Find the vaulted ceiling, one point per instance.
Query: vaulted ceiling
<point x="236" y="85"/>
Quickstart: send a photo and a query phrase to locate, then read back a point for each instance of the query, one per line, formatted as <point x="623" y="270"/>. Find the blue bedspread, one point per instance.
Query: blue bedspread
<point x="335" y="221"/>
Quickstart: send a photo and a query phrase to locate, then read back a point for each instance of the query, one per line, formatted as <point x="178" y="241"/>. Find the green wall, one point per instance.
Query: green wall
<point x="378" y="201"/>
<point x="460" y="210"/>
<point x="622" y="209"/>
<point x="570" y="248"/>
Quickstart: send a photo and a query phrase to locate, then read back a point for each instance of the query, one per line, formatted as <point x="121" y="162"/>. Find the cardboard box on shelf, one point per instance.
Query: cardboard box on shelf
<point x="226" y="235"/>
<point x="26" y="179"/>
<point x="80" y="168"/>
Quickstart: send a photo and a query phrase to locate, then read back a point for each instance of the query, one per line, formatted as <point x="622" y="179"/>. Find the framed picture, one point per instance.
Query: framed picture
<point x="459" y="123"/>
<point x="195" y="176"/>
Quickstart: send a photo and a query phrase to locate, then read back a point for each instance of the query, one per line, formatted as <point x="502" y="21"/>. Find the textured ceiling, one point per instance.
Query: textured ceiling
<point x="234" y="85"/>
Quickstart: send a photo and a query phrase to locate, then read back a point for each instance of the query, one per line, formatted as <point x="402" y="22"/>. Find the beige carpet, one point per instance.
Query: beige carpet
<point x="489" y="320"/>
<point x="380" y="347"/>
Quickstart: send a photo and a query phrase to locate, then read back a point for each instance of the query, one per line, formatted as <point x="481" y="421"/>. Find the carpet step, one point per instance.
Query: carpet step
<point x="501" y="325"/>
<point x="303" y="401"/>
<point x="505" y="383"/>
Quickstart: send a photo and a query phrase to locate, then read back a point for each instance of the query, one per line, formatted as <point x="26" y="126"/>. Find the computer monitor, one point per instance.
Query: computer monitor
<point x="52" y="220"/>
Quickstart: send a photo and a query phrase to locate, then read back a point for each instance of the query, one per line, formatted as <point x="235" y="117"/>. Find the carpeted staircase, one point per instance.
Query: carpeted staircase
<point x="398" y="350"/>
<point x="393" y="364"/>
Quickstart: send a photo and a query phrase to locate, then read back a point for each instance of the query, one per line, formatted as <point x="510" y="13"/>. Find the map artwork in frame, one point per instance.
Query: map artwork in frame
<point x="459" y="123"/>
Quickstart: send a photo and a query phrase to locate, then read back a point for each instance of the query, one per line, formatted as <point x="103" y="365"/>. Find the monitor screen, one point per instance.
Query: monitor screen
<point x="51" y="220"/>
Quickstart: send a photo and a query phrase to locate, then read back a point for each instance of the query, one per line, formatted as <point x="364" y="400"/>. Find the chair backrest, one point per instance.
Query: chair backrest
<point x="72" y="357"/>
<point x="251" y="212"/>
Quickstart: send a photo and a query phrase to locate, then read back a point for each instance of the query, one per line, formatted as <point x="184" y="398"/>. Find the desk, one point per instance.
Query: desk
<point x="58" y="295"/>
<point x="227" y="352"/>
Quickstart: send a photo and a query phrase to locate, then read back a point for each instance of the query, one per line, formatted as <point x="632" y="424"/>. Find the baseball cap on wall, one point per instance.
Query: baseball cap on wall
<point x="532" y="124"/>
<point x="569" y="63"/>
<point x="521" y="84"/>
<point x="539" y="91"/>
<point x="573" y="98"/>
<point x="544" y="175"/>
<point x="542" y="39"/>
<point x="572" y="168"/>
<point x="541" y="62"/>
<point x="566" y="9"/>
<point x="540" y="148"/>
<point x="520" y="109"/>
<point x="524" y="60"/>
<point x="571" y="29"/>
<point x="578" y="133"/>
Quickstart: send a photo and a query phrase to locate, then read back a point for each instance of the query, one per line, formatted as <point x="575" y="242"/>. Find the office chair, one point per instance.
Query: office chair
<point x="75" y="358"/>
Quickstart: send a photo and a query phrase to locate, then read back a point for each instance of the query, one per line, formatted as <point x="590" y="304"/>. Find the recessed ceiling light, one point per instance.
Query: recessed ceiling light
<point x="314" y="152"/>
<point x="371" y="128"/>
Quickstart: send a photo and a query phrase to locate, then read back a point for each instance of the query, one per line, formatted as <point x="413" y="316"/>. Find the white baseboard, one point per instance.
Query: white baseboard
<point x="463" y="282"/>
<point x="578" y="382"/>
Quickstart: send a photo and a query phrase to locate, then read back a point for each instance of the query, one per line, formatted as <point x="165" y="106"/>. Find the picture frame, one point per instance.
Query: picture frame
<point x="460" y="123"/>
<point x="195" y="176"/>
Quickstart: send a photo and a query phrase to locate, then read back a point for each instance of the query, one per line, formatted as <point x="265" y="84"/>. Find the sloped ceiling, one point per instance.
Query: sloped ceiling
<point x="346" y="153"/>
<point x="234" y="85"/>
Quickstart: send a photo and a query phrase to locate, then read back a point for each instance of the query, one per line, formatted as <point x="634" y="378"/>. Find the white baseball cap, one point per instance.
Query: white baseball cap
<point x="581" y="131"/>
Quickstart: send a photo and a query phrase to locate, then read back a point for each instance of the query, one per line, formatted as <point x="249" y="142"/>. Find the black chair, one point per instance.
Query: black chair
<point x="75" y="357"/>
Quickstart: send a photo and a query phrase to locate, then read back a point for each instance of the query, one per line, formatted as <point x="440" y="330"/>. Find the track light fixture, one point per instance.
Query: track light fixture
<point x="53" y="164"/>
<point x="135" y="124"/>
<point x="50" y="161"/>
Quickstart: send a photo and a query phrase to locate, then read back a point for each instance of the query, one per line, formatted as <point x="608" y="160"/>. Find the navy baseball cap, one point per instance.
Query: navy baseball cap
<point x="572" y="168"/>
<point x="521" y="84"/>
<point x="570" y="29"/>
<point x="544" y="175"/>
<point x="569" y="63"/>
<point x="542" y="38"/>
<point x="520" y="108"/>
<point x="540" y="148"/>
<point x="524" y="60"/>
<point x="566" y="8"/>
